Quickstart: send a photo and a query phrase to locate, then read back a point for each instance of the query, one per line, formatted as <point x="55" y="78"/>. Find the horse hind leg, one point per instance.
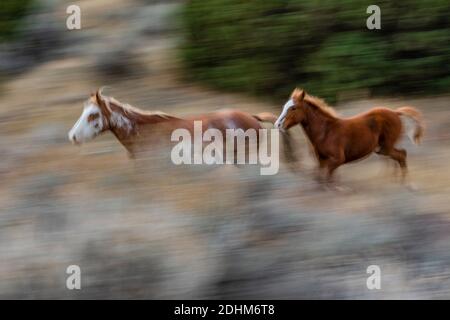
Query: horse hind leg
<point x="391" y="167"/>
<point x="398" y="155"/>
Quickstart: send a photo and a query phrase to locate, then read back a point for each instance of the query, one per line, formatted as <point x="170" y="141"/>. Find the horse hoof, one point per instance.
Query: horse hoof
<point x="336" y="188"/>
<point x="412" y="187"/>
<point x="343" y="189"/>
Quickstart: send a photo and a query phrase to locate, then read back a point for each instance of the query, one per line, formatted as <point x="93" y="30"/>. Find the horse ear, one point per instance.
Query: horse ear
<point x="98" y="97"/>
<point x="298" y="95"/>
<point x="302" y="95"/>
<point x="101" y="101"/>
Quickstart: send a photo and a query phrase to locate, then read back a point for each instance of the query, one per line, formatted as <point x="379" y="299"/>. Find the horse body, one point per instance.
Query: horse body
<point x="361" y="135"/>
<point x="337" y="141"/>
<point x="154" y="133"/>
<point x="139" y="130"/>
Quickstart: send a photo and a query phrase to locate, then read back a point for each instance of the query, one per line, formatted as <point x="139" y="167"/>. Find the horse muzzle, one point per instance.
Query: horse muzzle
<point x="279" y="125"/>
<point x="73" y="139"/>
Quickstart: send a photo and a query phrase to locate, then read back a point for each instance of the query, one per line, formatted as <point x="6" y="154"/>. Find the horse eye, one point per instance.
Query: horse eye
<point x="92" y="117"/>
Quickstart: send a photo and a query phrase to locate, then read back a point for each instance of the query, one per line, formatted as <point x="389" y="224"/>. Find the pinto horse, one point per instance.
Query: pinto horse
<point x="337" y="141"/>
<point x="138" y="129"/>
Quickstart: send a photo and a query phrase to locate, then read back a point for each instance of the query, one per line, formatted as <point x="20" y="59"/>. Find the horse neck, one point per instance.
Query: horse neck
<point x="316" y="123"/>
<point x="126" y="125"/>
<point x="123" y="128"/>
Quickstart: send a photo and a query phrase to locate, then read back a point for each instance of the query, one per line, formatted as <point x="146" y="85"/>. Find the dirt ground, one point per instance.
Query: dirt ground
<point x="157" y="231"/>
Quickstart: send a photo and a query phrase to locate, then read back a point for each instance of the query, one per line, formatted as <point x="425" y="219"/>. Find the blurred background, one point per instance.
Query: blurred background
<point x="153" y="230"/>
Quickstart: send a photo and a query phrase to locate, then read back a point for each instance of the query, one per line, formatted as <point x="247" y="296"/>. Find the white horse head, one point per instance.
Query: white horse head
<point x="93" y="120"/>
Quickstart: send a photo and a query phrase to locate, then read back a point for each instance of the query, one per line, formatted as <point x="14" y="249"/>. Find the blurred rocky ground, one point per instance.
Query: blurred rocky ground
<point x="149" y="230"/>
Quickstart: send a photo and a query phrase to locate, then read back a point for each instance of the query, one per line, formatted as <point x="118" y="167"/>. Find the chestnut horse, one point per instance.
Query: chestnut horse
<point x="138" y="129"/>
<point x="337" y="141"/>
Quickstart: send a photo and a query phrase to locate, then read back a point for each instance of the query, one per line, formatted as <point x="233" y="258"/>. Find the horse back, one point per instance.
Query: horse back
<point x="377" y="120"/>
<point x="228" y="119"/>
<point x="364" y="133"/>
<point x="387" y="121"/>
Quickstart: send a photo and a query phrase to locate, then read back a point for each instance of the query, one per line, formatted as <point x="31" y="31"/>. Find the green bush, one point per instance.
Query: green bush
<point x="11" y="14"/>
<point x="268" y="47"/>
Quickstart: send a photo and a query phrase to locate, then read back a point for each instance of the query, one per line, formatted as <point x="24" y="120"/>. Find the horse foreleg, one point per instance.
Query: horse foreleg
<point x="331" y="165"/>
<point x="289" y="151"/>
<point x="320" y="174"/>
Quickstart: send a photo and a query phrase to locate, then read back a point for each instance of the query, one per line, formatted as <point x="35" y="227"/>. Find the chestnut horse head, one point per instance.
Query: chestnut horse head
<point x="293" y="111"/>
<point x="296" y="108"/>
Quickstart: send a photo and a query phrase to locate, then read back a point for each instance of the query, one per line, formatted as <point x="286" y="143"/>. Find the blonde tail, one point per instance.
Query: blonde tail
<point x="415" y="115"/>
<point x="265" y="117"/>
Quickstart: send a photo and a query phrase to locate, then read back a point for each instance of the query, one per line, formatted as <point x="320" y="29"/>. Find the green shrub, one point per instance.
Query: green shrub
<point x="11" y="14"/>
<point x="268" y="47"/>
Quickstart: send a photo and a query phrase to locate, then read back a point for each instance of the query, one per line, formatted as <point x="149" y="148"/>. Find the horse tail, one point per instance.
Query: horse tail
<point x="412" y="113"/>
<point x="265" y="117"/>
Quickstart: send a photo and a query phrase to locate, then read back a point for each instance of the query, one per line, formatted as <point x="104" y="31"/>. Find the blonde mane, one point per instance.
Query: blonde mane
<point x="322" y="105"/>
<point x="130" y="110"/>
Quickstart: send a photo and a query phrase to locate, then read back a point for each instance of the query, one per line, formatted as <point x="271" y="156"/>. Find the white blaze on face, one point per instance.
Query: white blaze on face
<point x="289" y="104"/>
<point x="88" y="126"/>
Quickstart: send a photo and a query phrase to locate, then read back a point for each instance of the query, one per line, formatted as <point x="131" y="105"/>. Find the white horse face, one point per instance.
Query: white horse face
<point x="89" y="125"/>
<point x="287" y="106"/>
